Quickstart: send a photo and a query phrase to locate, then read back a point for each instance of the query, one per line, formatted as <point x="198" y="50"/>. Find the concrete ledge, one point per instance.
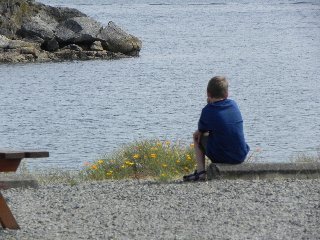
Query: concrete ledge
<point x="14" y="180"/>
<point x="308" y="170"/>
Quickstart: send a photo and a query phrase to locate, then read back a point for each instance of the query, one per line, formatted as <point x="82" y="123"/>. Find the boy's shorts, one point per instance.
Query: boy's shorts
<point x="203" y="146"/>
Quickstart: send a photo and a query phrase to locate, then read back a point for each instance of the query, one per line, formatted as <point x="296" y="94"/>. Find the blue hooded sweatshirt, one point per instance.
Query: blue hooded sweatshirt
<point x="223" y="121"/>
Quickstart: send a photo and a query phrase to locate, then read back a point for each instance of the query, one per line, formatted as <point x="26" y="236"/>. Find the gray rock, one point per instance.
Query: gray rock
<point x="50" y="45"/>
<point x="7" y="43"/>
<point x="14" y="51"/>
<point x="28" y="50"/>
<point x="24" y="17"/>
<point x="12" y="57"/>
<point x="5" y="32"/>
<point x="14" y="44"/>
<point x="73" y="47"/>
<point x="66" y="54"/>
<point x="78" y="29"/>
<point x="74" y="54"/>
<point x="44" y="56"/>
<point x="38" y="27"/>
<point x="62" y="13"/>
<point x="117" y="40"/>
<point x="34" y="39"/>
<point x="4" y="41"/>
<point x="96" y="46"/>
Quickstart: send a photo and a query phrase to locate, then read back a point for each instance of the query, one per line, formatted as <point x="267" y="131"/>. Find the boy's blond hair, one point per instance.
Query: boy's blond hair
<point x="218" y="87"/>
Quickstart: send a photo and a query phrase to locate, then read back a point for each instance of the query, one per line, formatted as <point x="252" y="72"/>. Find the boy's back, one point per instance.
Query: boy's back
<point x="223" y="121"/>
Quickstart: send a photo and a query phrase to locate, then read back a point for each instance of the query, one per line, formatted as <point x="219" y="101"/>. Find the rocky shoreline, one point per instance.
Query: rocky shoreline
<point x="131" y="209"/>
<point x="34" y="32"/>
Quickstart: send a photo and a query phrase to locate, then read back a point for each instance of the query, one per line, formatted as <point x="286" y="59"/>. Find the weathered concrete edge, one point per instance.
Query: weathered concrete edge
<point x="14" y="180"/>
<point x="307" y="170"/>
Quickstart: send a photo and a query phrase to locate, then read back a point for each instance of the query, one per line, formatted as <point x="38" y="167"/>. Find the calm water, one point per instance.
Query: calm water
<point x="80" y="110"/>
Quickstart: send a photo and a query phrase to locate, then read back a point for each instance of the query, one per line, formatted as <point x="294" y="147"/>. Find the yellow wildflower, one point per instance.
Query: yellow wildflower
<point x="136" y="156"/>
<point x="163" y="175"/>
<point x="167" y="142"/>
<point x="178" y="161"/>
<point x="94" y="167"/>
<point x="153" y="155"/>
<point x="192" y="145"/>
<point x="153" y="149"/>
<point x="188" y="157"/>
<point x="129" y="163"/>
<point x="100" y="161"/>
<point x="159" y="144"/>
<point x="109" y="173"/>
<point x="186" y="168"/>
<point x="164" y="165"/>
<point x="123" y="166"/>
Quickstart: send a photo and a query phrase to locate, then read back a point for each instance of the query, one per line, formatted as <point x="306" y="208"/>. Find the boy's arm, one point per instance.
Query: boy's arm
<point x="203" y="124"/>
<point x="197" y="136"/>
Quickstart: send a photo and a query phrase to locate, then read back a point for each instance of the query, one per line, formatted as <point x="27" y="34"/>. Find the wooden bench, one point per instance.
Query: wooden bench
<point x="9" y="162"/>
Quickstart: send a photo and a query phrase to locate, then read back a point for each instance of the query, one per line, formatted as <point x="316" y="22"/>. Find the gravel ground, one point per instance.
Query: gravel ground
<point x="261" y="209"/>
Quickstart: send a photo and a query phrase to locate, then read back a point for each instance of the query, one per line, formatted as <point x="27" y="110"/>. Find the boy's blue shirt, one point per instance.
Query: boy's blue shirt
<point x="226" y="143"/>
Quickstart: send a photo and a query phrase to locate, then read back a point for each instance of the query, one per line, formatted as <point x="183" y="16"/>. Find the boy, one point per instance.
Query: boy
<point x="220" y="134"/>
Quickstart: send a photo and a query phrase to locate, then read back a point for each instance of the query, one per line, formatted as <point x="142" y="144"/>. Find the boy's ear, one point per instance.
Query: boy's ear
<point x="209" y="100"/>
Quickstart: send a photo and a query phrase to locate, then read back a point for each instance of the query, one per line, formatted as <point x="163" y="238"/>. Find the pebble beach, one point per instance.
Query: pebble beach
<point x="132" y="209"/>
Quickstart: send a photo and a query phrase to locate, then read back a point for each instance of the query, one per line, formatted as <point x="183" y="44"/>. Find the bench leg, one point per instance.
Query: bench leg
<point x="9" y="165"/>
<point x="7" y="220"/>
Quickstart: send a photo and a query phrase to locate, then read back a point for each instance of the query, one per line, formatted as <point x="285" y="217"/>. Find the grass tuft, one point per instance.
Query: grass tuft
<point x="162" y="160"/>
<point x="304" y="158"/>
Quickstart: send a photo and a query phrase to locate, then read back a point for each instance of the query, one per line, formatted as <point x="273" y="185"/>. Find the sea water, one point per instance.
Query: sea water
<point x="81" y="110"/>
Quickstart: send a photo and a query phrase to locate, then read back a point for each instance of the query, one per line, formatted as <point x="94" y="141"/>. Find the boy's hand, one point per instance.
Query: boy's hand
<point x="197" y="136"/>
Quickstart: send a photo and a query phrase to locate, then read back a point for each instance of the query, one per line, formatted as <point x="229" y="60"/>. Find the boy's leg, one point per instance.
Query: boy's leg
<point x="199" y="174"/>
<point x="200" y="151"/>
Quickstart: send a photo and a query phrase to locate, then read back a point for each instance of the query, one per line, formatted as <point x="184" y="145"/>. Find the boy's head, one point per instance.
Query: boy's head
<point x="218" y="87"/>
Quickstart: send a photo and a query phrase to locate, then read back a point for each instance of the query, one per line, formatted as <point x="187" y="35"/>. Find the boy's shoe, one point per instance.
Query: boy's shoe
<point x="196" y="176"/>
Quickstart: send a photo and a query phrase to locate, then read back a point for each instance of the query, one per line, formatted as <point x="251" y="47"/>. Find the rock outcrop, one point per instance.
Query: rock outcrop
<point x="116" y="39"/>
<point x="32" y="32"/>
